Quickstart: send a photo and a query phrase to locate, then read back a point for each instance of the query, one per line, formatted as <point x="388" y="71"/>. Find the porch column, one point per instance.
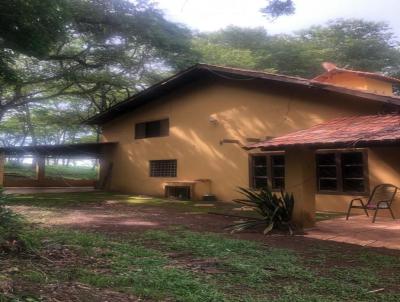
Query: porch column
<point x="300" y="177"/>
<point x="105" y="171"/>
<point x="2" y="160"/>
<point x="40" y="168"/>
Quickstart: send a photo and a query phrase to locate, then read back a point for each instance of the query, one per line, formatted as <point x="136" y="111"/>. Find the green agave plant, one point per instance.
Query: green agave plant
<point x="275" y="210"/>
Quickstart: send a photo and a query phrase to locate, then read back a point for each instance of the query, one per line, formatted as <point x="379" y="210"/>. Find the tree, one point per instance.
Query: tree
<point x="277" y="8"/>
<point x="31" y="27"/>
<point x="45" y="124"/>
<point x="233" y="46"/>
<point x="109" y="50"/>
<point x="98" y="53"/>
<point x="13" y="130"/>
<point x="218" y="54"/>
<point x="356" y="44"/>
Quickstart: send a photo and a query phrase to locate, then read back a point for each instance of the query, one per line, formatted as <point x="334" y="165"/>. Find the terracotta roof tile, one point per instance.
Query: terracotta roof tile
<point x="355" y="131"/>
<point x="372" y="75"/>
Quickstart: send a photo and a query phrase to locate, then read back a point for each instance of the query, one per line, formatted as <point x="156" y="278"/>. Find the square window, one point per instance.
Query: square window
<point x="152" y="129"/>
<point x="163" y="168"/>
<point x="341" y="171"/>
<point x="267" y="171"/>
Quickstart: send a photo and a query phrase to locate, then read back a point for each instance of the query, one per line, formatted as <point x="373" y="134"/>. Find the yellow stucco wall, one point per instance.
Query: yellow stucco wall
<point x="242" y="109"/>
<point x="354" y="81"/>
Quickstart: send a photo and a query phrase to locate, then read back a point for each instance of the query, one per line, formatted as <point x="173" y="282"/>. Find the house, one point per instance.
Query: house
<point x="361" y="80"/>
<point x="209" y="129"/>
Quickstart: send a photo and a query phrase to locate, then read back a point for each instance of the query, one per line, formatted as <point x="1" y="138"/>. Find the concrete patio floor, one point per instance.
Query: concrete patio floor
<point x="385" y="232"/>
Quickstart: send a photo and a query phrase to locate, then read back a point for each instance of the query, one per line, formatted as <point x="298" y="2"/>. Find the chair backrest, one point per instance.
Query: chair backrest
<point x="383" y="192"/>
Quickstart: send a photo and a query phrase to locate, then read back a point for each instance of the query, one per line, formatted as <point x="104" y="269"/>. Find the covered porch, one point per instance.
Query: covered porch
<point x="39" y="154"/>
<point x="329" y="164"/>
<point x="358" y="230"/>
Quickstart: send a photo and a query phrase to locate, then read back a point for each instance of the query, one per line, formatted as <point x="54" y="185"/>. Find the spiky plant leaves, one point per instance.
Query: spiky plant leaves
<point x="275" y="211"/>
<point x="268" y="228"/>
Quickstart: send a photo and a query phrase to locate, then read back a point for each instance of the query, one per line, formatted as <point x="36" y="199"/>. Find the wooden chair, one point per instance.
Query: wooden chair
<point x="381" y="199"/>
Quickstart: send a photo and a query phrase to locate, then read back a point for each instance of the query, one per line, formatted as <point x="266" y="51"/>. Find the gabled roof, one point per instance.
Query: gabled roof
<point x="349" y="132"/>
<point x="377" y="76"/>
<point x="201" y="70"/>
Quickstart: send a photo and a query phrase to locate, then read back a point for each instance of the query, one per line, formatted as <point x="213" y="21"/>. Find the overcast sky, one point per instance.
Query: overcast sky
<point x="209" y="15"/>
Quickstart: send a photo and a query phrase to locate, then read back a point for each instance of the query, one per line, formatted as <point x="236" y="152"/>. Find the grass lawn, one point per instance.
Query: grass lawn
<point x="53" y="171"/>
<point x="179" y="264"/>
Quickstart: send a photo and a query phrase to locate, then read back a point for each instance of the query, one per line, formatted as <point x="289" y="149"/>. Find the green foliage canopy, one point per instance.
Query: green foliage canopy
<point x="357" y="44"/>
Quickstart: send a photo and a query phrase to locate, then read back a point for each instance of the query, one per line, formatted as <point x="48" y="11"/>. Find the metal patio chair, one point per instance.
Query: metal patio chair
<point x="381" y="198"/>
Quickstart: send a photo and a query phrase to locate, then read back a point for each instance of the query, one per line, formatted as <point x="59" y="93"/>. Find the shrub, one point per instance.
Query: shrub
<point x="275" y="210"/>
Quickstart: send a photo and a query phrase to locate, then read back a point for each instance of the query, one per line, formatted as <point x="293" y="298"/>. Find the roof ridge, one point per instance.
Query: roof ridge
<point x="228" y="68"/>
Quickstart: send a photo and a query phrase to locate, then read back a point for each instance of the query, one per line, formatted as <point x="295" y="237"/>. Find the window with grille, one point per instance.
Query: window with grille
<point x="163" y="168"/>
<point x="152" y="129"/>
<point x="342" y="171"/>
<point x="177" y="192"/>
<point x="267" y="170"/>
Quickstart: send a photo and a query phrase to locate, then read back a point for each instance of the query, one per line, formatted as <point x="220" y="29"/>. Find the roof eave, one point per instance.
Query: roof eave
<point x="331" y="145"/>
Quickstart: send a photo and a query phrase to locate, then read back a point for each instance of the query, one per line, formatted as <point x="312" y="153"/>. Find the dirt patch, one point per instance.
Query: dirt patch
<point x="118" y="218"/>
<point x="196" y="265"/>
<point x="72" y="291"/>
<point x="54" y="258"/>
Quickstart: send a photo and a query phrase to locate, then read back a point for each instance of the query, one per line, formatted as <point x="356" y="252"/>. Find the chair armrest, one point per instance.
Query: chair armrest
<point x="357" y="199"/>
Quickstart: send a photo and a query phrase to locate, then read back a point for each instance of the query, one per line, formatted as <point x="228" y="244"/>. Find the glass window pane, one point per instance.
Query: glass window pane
<point x="278" y="172"/>
<point x="328" y="184"/>
<point x="353" y="185"/>
<point x="260" y="182"/>
<point x="326" y="159"/>
<point x="153" y="129"/>
<point x="278" y="160"/>
<point x="259" y="160"/>
<point x="260" y="171"/>
<point x="278" y="183"/>
<point x="352" y="158"/>
<point x="327" y="171"/>
<point x="353" y="172"/>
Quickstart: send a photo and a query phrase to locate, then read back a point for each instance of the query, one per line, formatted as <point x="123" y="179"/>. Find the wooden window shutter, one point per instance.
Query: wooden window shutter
<point x="140" y="130"/>
<point x="164" y="127"/>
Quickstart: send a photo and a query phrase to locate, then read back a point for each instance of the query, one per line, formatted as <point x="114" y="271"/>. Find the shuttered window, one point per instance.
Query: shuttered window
<point x="157" y="128"/>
